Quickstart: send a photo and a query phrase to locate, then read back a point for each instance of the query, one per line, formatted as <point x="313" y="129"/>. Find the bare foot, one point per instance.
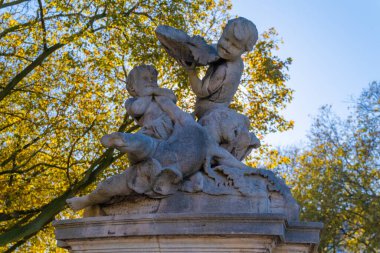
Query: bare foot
<point x="78" y="203"/>
<point x="113" y="140"/>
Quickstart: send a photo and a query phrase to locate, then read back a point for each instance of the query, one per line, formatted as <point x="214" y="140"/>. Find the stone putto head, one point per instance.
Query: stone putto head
<point x="239" y="36"/>
<point x="140" y="78"/>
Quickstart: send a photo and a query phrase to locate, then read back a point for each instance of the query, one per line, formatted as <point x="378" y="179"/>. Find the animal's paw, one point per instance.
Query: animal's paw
<point x="193" y="184"/>
<point x="167" y="181"/>
<point x="219" y="180"/>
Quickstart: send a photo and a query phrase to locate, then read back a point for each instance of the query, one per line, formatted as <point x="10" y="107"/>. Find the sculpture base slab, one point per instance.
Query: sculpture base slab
<point x="180" y="244"/>
<point x="188" y="233"/>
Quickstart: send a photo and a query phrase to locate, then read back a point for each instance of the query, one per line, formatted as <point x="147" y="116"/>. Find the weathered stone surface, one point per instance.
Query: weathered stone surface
<point x="164" y="232"/>
<point x="181" y="202"/>
<point x="182" y="47"/>
<point x="186" y="189"/>
<point x="178" y="244"/>
<point x="171" y="148"/>
<point x="235" y="191"/>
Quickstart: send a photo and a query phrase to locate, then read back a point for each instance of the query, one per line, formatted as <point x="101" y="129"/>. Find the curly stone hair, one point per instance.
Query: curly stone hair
<point x="243" y="30"/>
<point x="133" y="74"/>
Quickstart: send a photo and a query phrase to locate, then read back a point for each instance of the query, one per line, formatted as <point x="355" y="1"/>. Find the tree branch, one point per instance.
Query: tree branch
<point x="43" y="25"/>
<point x="19" y="233"/>
<point x="12" y="3"/>
<point x="19" y="243"/>
<point x="31" y="168"/>
<point x="6" y="161"/>
<point x="72" y="150"/>
<point x="17" y="214"/>
<point x="16" y="27"/>
<point x="15" y="80"/>
<point x="146" y="15"/>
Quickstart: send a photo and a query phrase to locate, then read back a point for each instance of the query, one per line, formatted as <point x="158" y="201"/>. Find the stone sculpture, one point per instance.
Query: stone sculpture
<point x="173" y="152"/>
<point x="219" y="85"/>
<point x="142" y="85"/>
<point x="186" y="189"/>
<point x="159" y="166"/>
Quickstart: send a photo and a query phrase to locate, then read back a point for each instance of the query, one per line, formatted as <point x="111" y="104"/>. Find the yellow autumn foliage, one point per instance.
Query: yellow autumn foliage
<point x="63" y="66"/>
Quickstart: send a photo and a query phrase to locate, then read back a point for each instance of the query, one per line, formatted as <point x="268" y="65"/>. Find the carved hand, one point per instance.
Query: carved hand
<point x="188" y="67"/>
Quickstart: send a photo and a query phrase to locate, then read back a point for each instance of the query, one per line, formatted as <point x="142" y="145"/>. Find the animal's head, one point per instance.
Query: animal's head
<point x="231" y="131"/>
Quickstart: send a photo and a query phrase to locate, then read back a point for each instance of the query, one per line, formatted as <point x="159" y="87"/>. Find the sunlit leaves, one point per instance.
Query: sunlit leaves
<point x="263" y="92"/>
<point x="52" y="118"/>
<point x="336" y="179"/>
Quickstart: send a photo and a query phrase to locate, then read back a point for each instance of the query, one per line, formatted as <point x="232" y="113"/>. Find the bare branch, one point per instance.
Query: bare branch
<point x="19" y="243"/>
<point x="38" y="93"/>
<point x="8" y="125"/>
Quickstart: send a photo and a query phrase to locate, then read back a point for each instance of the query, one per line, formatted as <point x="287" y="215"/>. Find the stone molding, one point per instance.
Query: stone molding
<point x="187" y="225"/>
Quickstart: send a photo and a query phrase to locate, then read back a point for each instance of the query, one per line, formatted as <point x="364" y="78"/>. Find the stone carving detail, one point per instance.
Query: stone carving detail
<point x="142" y="86"/>
<point x="174" y="154"/>
<point x="186" y="49"/>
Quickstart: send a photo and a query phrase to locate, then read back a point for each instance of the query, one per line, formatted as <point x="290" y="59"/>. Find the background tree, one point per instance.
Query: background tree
<point x="336" y="178"/>
<point x="63" y="66"/>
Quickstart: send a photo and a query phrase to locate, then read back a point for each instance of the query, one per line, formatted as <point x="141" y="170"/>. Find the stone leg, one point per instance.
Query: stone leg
<point x="138" y="146"/>
<point x="112" y="186"/>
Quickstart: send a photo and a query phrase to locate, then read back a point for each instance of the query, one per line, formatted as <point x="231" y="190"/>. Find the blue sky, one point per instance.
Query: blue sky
<point x="335" y="46"/>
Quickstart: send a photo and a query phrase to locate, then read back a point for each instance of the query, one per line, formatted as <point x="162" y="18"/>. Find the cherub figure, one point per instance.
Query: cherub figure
<point x="142" y="85"/>
<point x="158" y="167"/>
<point x="217" y="88"/>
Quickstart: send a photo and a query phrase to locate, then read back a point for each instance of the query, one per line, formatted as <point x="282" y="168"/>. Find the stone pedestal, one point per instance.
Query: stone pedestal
<point x="192" y="222"/>
<point x="187" y="232"/>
